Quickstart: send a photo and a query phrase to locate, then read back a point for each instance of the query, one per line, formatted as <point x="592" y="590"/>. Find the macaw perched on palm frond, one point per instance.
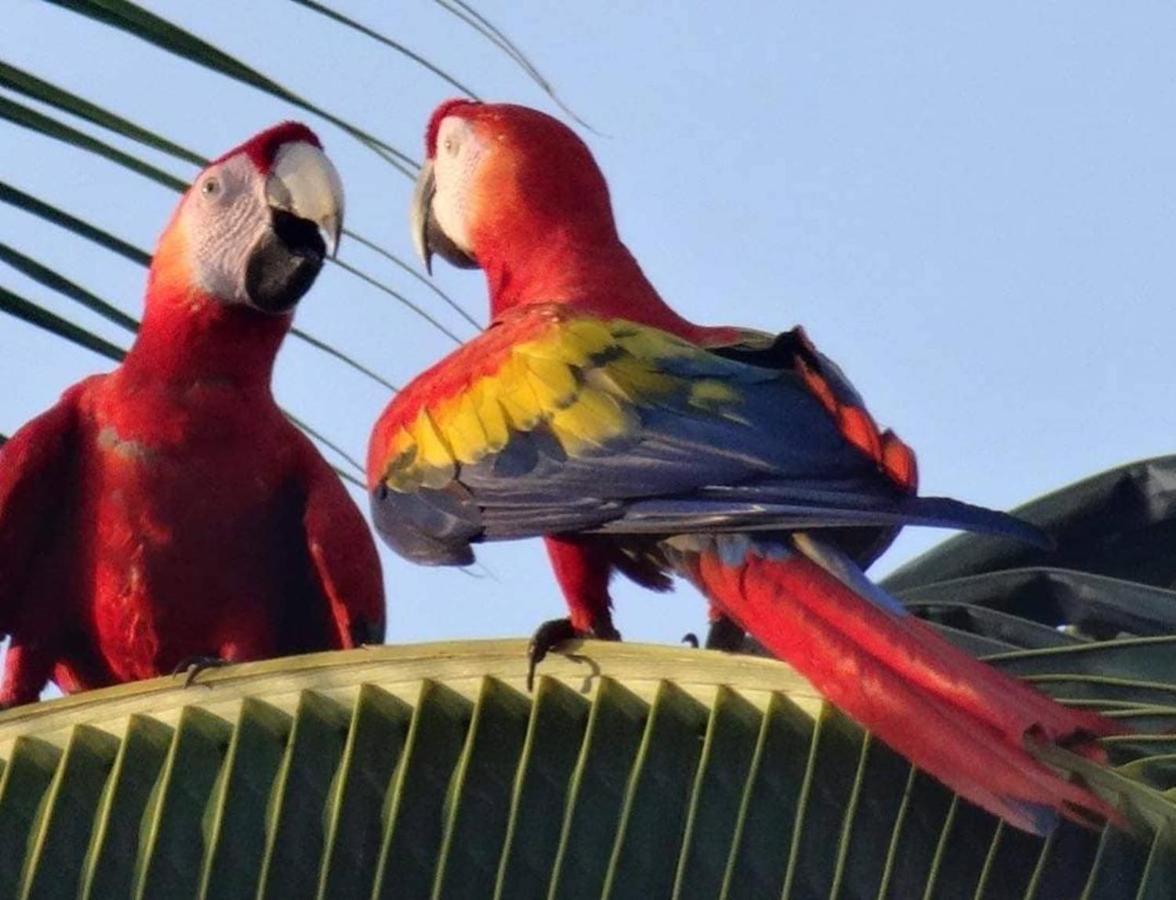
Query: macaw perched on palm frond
<point x="169" y="510"/>
<point x="635" y="441"/>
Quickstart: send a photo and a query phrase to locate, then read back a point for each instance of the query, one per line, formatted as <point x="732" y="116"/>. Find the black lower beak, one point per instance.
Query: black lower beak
<point x="437" y="241"/>
<point x="284" y="263"/>
<point x="427" y="235"/>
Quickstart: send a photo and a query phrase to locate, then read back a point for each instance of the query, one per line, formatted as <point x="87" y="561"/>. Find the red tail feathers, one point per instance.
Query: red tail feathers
<point x="953" y="716"/>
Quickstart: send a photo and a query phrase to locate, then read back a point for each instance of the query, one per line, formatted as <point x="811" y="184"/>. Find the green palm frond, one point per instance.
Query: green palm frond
<point x="348" y="22"/>
<point x="470" y="15"/>
<point x="29" y="85"/>
<point x="50" y="213"/>
<point x="418" y="771"/>
<point x="147" y="26"/>
<point x="631" y="771"/>
<point x="27" y="117"/>
<point x="35" y="314"/>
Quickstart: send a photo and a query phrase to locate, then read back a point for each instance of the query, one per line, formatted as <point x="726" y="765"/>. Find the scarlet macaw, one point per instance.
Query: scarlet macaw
<point x="636" y="441"/>
<point x="168" y="510"/>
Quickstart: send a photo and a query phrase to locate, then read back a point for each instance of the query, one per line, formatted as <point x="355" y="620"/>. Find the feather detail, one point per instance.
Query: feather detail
<point x="650" y="435"/>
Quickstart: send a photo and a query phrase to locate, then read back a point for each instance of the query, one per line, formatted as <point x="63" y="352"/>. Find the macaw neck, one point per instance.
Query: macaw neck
<point x="598" y="277"/>
<point x="189" y="337"/>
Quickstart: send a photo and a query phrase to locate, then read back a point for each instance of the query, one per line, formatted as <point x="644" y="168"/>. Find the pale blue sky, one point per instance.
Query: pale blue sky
<point x="972" y="209"/>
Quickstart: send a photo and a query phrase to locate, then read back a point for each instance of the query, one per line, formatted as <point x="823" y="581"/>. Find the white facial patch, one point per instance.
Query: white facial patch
<point x="225" y="215"/>
<point x="457" y="156"/>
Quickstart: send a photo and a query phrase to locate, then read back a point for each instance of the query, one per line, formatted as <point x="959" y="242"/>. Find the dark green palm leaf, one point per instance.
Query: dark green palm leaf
<point x="50" y="279"/>
<point x="631" y="771"/>
<point x="30" y="312"/>
<point x="416" y="771"/>
<point x="27" y="117"/>
<point x="42" y="210"/>
<point x="468" y="14"/>
<point x="348" y="22"/>
<point x="36" y="88"/>
<point x="147" y="26"/>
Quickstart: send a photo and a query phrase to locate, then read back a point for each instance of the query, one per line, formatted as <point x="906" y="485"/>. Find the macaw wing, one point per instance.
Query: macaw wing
<point x="36" y="476"/>
<point x="554" y="421"/>
<point x="345" y="567"/>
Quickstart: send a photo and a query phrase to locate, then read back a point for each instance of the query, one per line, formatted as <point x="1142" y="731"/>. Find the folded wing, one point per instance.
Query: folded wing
<point x="554" y="421"/>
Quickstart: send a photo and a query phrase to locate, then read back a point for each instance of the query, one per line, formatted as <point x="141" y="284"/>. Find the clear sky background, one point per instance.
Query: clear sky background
<point x="971" y="208"/>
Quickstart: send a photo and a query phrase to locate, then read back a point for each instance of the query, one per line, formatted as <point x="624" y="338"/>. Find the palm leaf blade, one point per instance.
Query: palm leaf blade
<point x="46" y="211"/>
<point x="467" y="747"/>
<point x="37" y="88"/>
<point x="27" y="117"/>
<point x="42" y="274"/>
<point x="30" y="312"/>
<point x="400" y="48"/>
<point x="156" y="30"/>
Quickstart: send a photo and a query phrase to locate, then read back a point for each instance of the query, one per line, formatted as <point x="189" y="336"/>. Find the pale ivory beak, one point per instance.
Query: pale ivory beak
<point x="304" y="182"/>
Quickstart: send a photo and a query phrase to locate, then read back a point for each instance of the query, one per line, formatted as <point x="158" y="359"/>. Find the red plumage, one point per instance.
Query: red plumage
<point x="262" y="148"/>
<point x="948" y="713"/>
<point x="169" y="509"/>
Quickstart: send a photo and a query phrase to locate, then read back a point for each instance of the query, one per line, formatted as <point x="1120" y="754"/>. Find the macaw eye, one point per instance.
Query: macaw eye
<point x="450" y="145"/>
<point x="210" y="188"/>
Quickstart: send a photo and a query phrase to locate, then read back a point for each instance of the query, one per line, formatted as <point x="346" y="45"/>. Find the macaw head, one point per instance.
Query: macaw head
<point x="254" y="228"/>
<point x="500" y="181"/>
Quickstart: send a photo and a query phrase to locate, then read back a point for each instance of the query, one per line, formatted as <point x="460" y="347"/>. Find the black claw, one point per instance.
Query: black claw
<point x="604" y="631"/>
<point x="547" y="637"/>
<point x="194" y="665"/>
<point x="690" y="638"/>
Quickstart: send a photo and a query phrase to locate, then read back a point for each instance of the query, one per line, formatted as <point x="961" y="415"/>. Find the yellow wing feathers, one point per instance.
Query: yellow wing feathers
<point x="583" y="379"/>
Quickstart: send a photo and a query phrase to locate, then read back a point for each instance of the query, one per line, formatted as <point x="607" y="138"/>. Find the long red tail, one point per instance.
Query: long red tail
<point x="948" y="713"/>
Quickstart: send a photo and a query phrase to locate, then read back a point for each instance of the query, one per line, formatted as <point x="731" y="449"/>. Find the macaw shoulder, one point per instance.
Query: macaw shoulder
<point x="579" y="376"/>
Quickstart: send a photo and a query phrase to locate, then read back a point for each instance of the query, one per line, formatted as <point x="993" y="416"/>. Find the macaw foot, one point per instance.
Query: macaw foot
<point x="722" y="635"/>
<point x="194" y="665"/>
<point x="554" y="632"/>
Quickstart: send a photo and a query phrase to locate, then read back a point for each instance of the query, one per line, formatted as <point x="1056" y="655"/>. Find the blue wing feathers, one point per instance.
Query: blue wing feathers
<point x="773" y="460"/>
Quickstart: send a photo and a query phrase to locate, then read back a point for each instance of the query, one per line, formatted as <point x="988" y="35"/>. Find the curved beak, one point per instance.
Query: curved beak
<point x="304" y="183"/>
<point x="421" y="211"/>
<point x="428" y="237"/>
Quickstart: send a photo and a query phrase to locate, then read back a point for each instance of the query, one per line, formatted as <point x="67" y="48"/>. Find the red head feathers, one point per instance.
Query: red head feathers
<point x="262" y="148"/>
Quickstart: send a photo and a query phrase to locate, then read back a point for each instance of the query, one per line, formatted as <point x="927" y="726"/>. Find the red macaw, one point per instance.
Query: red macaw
<point x="169" y="510"/>
<point x="638" y="442"/>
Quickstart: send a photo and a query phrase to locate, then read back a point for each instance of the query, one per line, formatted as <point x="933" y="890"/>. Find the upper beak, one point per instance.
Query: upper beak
<point x="303" y="182"/>
<point x="422" y="204"/>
